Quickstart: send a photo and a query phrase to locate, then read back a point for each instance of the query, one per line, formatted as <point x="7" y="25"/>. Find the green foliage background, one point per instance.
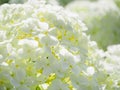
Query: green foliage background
<point x="118" y="3"/>
<point x="4" y="1"/>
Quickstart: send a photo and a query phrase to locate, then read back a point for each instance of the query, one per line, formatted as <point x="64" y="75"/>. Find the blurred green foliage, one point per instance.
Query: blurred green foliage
<point x="105" y="29"/>
<point x="17" y="1"/>
<point x="4" y="1"/>
<point x="118" y="3"/>
<point x="64" y="2"/>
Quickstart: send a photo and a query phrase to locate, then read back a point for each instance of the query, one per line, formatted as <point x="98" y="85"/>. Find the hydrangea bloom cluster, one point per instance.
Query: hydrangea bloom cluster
<point x="102" y="18"/>
<point x="43" y="47"/>
<point x="112" y="66"/>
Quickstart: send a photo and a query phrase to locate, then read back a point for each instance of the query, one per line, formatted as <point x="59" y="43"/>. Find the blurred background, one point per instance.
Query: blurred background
<point x="102" y="17"/>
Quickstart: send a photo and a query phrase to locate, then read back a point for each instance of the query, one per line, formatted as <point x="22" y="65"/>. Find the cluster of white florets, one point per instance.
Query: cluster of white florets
<point x="102" y="18"/>
<point x="44" y="47"/>
<point x="111" y="64"/>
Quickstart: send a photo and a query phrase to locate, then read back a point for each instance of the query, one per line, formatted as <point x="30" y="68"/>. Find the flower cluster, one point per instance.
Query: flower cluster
<point x="102" y="18"/>
<point x="44" y="47"/>
<point x="112" y="65"/>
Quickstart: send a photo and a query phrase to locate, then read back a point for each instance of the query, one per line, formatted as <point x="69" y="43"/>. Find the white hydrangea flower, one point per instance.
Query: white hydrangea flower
<point x="112" y="65"/>
<point x="45" y="47"/>
<point x="102" y="18"/>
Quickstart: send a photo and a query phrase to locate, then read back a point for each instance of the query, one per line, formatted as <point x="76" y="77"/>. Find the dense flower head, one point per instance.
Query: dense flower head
<point x="102" y="18"/>
<point x="112" y="65"/>
<point x="44" y="47"/>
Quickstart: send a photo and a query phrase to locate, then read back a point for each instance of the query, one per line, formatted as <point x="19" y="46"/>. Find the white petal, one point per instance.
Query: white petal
<point x="90" y="70"/>
<point x="31" y="43"/>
